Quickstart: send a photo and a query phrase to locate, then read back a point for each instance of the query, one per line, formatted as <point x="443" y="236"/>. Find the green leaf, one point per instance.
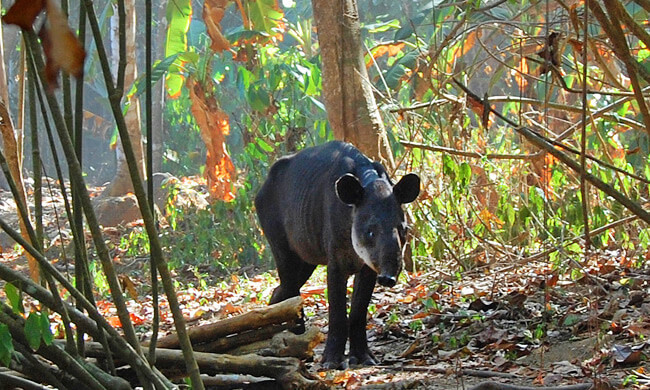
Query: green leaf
<point x="174" y="83"/>
<point x="264" y="16"/>
<point x="449" y="167"/>
<point x="157" y="72"/>
<point x="399" y="68"/>
<point x="33" y="330"/>
<point x="246" y="35"/>
<point x="464" y="174"/>
<point x="13" y="295"/>
<point x="179" y="16"/>
<point x="381" y="26"/>
<point x="264" y="145"/>
<point x="46" y="331"/>
<point x="6" y="345"/>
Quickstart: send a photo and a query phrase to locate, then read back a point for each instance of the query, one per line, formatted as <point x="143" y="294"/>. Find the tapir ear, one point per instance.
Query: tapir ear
<point x="407" y="189"/>
<point x="349" y="190"/>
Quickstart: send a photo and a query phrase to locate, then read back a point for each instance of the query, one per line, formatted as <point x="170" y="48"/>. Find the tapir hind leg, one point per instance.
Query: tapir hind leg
<point x="364" y="284"/>
<point x="293" y="273"/>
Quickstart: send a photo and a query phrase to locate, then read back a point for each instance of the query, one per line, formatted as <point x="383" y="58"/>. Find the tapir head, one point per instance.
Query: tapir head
<point x="378" y="227"/>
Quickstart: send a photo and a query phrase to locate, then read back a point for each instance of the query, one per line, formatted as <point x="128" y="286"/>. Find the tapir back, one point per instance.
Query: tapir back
<point x="298" y="198"/>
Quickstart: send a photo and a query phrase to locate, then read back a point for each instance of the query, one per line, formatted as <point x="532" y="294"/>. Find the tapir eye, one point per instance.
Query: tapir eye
<point x="370" y="234"/>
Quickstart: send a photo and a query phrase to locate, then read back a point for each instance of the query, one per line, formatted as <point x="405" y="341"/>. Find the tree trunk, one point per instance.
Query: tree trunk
<point x="351" y="107"/>
<point x="158" y="99"/>
<point x="12" y="150"/>
<point x="121" y="183"/>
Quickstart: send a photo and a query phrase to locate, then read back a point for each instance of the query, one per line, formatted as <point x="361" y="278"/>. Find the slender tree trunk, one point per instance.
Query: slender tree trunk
<point x="4" y="93"/>
<point x="12" y="149"/>
<point x="158" y="100"/>
<point x="351" y="107"/>
<point x="121" y="183"/>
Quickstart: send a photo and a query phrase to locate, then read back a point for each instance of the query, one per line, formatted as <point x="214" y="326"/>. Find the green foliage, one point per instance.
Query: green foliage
<point x="37" y="330"/>
<point x="224" y="235"/>
<point x="14" y="297"/>
<point x="6" y="345"/>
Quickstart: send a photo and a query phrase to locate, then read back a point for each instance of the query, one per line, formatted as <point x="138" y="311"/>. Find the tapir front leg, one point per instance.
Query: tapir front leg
<point x="364" y="284"/>
<point x="338" y="320"/>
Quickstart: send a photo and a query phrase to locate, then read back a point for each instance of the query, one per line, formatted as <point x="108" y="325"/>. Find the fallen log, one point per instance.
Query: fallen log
<point x="285" y="344"/>
<point x="288" y="372"/>
<point x="225" y="344"/>
<point x="287" y="311"/>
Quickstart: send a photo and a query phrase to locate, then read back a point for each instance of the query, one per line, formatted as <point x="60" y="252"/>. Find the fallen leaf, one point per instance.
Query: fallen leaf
<point x="624" y="354"/>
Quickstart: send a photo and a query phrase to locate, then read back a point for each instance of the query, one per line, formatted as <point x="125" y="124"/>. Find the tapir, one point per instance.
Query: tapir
<point x="332" y="205"/>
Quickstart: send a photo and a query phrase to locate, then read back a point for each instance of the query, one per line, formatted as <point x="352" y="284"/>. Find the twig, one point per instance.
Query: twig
<point x="456" y="152"/>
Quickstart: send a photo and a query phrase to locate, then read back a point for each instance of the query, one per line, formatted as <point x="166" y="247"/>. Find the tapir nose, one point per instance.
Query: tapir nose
<point x="385" y="280"/>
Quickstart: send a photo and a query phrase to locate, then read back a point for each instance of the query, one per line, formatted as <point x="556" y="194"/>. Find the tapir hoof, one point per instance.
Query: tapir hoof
<point x="365" y="359"/>
<point x="334" y="365"/>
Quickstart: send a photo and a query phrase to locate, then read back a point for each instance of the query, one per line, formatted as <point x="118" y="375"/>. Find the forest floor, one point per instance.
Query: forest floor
<point x="522" y="323"/>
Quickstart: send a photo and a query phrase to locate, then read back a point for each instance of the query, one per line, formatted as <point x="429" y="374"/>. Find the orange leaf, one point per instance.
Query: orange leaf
<point x="463" y="48"/>
<point x="522" y="69"/>
<point x="214" y="126"/>
<point x="115" y="321"/>
<point x="23" y="13"/>
<point x="136" y="319"/>
<point x="407" y="299"/>
<point x="392" y="49"/>
<point x="213" y="11"/>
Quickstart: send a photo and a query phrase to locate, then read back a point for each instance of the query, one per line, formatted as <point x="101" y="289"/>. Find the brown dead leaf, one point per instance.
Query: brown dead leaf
<point x="214" y="126"/>
<point x="61" y="47"/>
<point x="213" y="11"/>
<point x="24" y="12"/>
<point x="625" y="355"/>
<point x="129" y="287"/>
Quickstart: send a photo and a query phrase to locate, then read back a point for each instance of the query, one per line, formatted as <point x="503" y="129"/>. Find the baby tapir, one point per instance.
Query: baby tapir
<point x="330" y="204"/>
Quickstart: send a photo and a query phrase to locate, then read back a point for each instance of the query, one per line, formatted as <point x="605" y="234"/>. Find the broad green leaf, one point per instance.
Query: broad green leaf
<point x="173" y="83"/>
<point x="46" y="331"/>
<point x="13" y="295"/>
<point x="264" y="15"/>
<point x="6" y="345"/>
<point x="33" y="330"/>
<point x="399" y="68"/>
<point x="179" y="16"/>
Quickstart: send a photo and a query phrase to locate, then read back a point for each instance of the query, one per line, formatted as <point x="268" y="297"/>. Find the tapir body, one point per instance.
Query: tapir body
<point x="332" y="205"/>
